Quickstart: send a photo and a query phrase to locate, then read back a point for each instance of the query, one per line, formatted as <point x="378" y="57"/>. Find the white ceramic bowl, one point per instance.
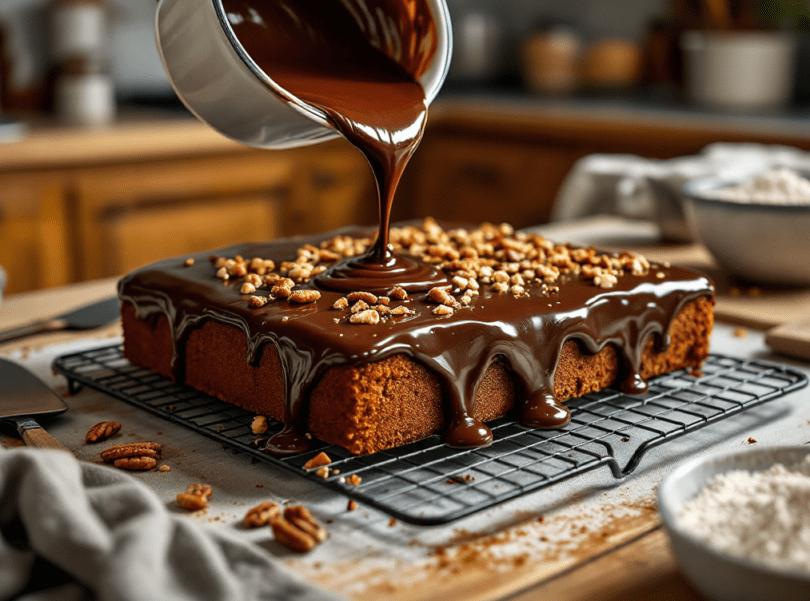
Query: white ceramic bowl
<point x="716" y="574"/>
<point x="760" y="242"/>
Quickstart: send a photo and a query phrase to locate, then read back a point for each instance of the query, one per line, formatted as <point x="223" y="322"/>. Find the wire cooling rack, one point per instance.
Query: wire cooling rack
<point x="429" y="483"/>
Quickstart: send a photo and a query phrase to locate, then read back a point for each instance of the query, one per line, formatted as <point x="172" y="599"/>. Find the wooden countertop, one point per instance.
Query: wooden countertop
<point x="140" y="135"/>
<point x="134" y="136"/>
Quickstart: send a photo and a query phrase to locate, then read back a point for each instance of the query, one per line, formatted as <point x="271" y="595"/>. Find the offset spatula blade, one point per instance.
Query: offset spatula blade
<point x="23" y="397"/>
<point x="88" y="317"/>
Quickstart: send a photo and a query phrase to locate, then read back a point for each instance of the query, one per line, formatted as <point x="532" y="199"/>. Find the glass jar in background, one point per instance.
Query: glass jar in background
<point x="83" y="91"/>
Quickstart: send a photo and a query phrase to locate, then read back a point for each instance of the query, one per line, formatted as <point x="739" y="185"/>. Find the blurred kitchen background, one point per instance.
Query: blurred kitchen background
<point x="103" y="170"/>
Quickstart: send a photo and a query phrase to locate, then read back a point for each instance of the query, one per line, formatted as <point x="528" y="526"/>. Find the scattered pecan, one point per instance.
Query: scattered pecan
<point x="135" y="463"/>
<point x="191" y="502"/>
<point x="259" y="425"/>
<point x="202" y="490"/>
<point x="195" y="497"/>
<point x="290" y="536"/>
<point x="102" y="431"/>
<point x="262" y="514"/>
<point x="298" y="530"/>
<point x="131" y="449"/>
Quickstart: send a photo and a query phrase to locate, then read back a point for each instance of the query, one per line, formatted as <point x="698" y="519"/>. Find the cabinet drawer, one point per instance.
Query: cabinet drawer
<point x="140" y="236"/>
<point x="474" y="180"/>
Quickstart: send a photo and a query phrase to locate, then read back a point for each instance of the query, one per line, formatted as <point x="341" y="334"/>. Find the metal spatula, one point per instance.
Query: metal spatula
<point x="24" y="397"/>
<point x="84" y="318"/>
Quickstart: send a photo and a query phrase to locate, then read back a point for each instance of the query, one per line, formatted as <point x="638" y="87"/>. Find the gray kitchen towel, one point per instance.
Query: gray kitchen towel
<point x="76" y="531"/>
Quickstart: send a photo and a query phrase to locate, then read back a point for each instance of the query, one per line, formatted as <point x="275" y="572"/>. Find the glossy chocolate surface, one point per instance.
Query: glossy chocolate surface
<point x="525" y="333"/>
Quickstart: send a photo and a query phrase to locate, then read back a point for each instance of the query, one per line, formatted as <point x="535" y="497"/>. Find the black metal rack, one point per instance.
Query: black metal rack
<point x="429" y="483"/>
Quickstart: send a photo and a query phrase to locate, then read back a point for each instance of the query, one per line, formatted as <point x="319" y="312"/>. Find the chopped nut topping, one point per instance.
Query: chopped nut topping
<point x="442" y="296"/>
<point x="354" y="480"/>
<point x="102" y="431"/>
<point x="189" y="262"/>
<point x="352" y="505"/>
<point x="402" y="310"/>
<point x="366" y="297"/>
<point x="319" y="460"/>
<point x="398" y="293"/>
<point x="261" y="514"/>
<point x="247" y="288"/>
<point x="322" y="472"/>
<point x="257" y="301"/>
<point x="304" y="296"/>
<point x="341" y="303"/>
<point x="369" y="317"/>
<point x="259" y="424"/>
<point x="281" y="291"/>
<point x="360" y="305"/>
<point x="164" y="468"/>
<point x="443" y="310"/>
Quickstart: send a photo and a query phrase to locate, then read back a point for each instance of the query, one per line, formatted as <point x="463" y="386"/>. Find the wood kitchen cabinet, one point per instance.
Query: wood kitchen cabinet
<point x="78" y="205"/>
<point x="505" y="159"/>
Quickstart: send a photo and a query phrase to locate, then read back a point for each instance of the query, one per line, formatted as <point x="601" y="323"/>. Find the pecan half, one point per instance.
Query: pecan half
<point x="298" y="530"/>
<point x="291" y="537"/>
<point x="301" y="517"/>
<point x="137" y="464"/>
<point x="102" y="431"/>
<point x="262" y="514"/>
<point x="132" y="449"/>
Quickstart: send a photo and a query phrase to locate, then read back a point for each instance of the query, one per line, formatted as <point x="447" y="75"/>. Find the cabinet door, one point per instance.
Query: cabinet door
<point x="128" y="215"/>
<point x="179" y="230"/>
<point x="33" y="232"/>
<point x="473" y="179"/>
<point x="333" y="188"/>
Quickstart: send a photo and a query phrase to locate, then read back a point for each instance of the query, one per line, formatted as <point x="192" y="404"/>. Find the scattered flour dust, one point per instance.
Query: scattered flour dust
<point x="780" y="186"/>
<point x="762" y="516"/>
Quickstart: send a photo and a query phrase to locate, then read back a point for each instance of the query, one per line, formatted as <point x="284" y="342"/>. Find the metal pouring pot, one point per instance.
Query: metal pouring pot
<point x="219" y="82"/>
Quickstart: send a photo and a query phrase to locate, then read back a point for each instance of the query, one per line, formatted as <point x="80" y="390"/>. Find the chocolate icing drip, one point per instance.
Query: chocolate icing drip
<point x="526" y="334"/>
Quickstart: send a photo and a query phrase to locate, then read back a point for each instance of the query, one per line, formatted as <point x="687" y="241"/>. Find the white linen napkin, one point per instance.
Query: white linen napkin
<point x="71" y="531"/>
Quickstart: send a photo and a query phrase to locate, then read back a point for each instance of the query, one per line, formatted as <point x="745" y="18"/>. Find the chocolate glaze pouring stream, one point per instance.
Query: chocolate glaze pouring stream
<point x="358" y="62"/>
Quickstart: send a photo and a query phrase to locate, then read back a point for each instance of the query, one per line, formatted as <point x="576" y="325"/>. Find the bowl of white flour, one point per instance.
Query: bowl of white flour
<point x="739" y="523"/>
<point x="757" y="229"/>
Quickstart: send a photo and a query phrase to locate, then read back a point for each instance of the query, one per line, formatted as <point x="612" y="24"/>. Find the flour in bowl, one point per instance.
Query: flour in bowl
<point x="762" y="516"/>
<point x="780" y="186"/>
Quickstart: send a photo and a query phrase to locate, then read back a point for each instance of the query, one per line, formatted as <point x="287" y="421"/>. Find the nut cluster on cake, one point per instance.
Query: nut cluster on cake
<point x="489" y="256"/>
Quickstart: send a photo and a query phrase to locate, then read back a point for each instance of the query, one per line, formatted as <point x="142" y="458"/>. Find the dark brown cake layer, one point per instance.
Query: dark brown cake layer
<point x="447" y="366"/>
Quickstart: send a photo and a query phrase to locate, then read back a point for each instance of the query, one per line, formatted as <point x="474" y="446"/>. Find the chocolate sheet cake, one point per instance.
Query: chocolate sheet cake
<point x="521" y="325"/>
